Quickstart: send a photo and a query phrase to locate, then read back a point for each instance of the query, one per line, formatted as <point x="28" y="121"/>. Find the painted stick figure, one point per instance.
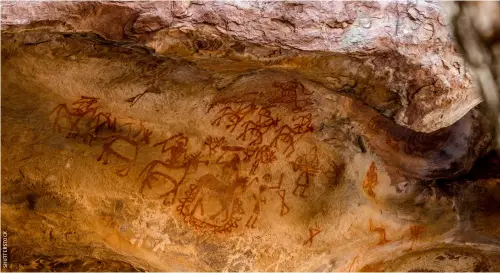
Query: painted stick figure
<point x="259" y="198"/>
<point x="308" y="165"/>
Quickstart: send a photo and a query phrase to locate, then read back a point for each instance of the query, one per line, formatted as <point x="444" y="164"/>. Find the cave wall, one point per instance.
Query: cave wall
<point x="245" y="136"/>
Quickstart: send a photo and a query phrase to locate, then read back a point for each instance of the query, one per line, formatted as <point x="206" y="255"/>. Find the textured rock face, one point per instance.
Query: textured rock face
<point x="177" y="136"/>
<point x="396" y="57"/>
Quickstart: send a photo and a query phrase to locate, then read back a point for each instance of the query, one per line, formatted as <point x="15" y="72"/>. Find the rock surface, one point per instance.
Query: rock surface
<point x="396" y="57"/>
<point x="477" y="29"/>
<point x="242" y="136"/>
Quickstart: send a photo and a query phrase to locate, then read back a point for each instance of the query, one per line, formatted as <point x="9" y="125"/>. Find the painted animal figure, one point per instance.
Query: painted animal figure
<point x="125" y="148"/>
<point x="290" y="95"/>
<point x="225" y="195"/>
<point x="83" y="119"/>
<point x="83" y="109"/>
<point x="85" y="103"/>
<point x="100" y="122"/>
<point x="169" y="172"/>
<point x="82" y="125"/>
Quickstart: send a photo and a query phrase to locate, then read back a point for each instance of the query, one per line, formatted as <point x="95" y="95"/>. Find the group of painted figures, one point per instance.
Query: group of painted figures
<point x="249" y="121"/>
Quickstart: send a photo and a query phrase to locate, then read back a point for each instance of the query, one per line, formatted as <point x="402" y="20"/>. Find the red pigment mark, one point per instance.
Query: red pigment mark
<point x="380" y="231"/>
<point x="312" y="233"/>
<point x="371" y="180"/>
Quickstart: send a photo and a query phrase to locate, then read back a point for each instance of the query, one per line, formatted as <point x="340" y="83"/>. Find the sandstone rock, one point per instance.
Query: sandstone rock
<point x="397" y="57"/>
<point x="242" y="136"/>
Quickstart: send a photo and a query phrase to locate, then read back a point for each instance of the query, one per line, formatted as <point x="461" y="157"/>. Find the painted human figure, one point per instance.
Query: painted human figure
<point x="308" y="166"/>
<point x="172" y="170"/>
<point x="259" y="199"/>
<point x="290" y="135"/>
<point x="178" y="151"/>
<point x="213" y="145"/>
<point x="231" y="168"/>
<point x="257" y="129"/>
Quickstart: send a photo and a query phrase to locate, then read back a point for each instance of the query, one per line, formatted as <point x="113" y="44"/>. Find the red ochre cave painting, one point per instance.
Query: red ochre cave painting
<point x="288" y="136"/>
<point x="255" y="130"/>
<point x="312" y="233"/>
<point x="333" y="171"/>
<point x="294" y="94"/>
<point x="174" y="169"/>
<point x="214" y="203"/>
<point x="254" y="119"/>
<point x="212" y="143"/>
<point x="232" y="116"/>
<point x="82" y="119"/>
<point x="370" y="180"/>
<point x="381" y="231"/>
<point x="266" y="185"/>
<point x="207" y="184"/>
<point x="128" y="151"/>
<point x="307" y="165"/>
